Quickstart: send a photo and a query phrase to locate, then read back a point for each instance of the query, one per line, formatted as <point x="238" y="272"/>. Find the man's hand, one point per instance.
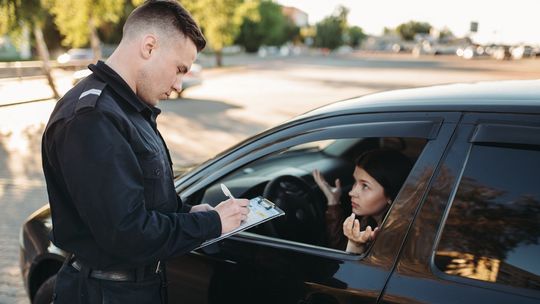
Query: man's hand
<point x="201" y="208"/>
<point x="351" y="229"/>
<point x="332" y="194"/>
<point x="232" y="212"/>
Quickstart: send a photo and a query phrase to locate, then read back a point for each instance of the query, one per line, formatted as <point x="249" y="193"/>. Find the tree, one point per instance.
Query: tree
<point x="78" y="20"/>
<point x="329" y="33"/>
<point x="388" y="31"/>
<point x="342" y="13"/>
<point x="220" y="20"/>
<point x="271" y="29"/>
<point x="332" y="29"/>
<point x="356" y="35"/>
<point x="14" y="15"/>
<point x="408" y="30"/>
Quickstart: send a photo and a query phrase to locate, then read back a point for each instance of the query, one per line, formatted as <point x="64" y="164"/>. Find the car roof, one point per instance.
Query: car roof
<point x="513" y="96"/>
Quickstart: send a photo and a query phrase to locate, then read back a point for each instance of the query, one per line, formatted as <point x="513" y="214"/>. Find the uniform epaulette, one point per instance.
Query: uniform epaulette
<point x="90" y="94"/>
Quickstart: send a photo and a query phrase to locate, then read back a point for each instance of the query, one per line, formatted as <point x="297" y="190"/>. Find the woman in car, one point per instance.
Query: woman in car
<point x="378" y="175"/>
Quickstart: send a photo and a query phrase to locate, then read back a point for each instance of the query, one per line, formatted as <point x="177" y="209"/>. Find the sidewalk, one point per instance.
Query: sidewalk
<point x="22" y="189"/>
<point x="34" y="88"/>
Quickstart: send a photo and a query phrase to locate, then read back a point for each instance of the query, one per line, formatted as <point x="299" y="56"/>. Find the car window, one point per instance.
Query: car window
<point x="285" y="177"/>
<point x="492" y="231"/>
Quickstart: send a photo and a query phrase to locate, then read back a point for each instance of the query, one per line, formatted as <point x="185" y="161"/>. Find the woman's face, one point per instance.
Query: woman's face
<point x="367" y="195"/>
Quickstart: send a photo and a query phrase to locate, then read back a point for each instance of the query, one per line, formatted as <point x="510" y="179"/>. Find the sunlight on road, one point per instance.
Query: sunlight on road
<point x="20" y="141"/>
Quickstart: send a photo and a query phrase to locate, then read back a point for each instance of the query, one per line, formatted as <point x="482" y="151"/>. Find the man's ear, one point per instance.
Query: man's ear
<point x="148" y="45"/>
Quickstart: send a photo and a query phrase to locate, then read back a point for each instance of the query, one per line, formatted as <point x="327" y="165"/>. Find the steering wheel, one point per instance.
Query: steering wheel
<point x="304" y="214"/>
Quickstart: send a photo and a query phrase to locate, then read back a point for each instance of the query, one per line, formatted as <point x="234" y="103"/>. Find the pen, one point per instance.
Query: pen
<point x="226" y="191"/>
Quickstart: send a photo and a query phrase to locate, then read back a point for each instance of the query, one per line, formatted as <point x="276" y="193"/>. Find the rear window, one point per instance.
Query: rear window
<point x="492" y="231"/>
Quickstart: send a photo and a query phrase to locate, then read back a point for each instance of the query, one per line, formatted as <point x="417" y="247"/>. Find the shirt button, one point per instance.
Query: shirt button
<point x="157" y="172"/>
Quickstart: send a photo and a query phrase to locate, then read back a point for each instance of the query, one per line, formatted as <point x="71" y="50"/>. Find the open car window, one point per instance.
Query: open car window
<point x="285" y="177"/>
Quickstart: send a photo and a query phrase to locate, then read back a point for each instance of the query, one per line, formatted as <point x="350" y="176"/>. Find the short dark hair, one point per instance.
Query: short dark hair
<point x="166" y="14"/>
<point x="388" y="167"/>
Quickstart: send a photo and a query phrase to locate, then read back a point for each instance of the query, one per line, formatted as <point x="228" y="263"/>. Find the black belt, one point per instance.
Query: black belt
<point x="121" y="275"/>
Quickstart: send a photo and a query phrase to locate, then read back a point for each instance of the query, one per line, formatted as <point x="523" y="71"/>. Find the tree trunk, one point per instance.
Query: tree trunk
<point x="43" y="53"/>
<point x="94" y="40"/>
<point x="219" y="58"/>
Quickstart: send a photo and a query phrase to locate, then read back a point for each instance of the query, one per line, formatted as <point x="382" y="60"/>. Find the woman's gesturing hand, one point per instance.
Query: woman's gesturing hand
<point x="332" y="194"/>
<point x="351" y="229"/>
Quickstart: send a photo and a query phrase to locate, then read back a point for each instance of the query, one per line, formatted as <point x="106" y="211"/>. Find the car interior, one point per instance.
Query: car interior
<point x="285" y="178"/>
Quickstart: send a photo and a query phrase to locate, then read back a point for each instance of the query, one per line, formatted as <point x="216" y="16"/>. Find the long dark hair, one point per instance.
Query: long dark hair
<point x="388" y="167"/>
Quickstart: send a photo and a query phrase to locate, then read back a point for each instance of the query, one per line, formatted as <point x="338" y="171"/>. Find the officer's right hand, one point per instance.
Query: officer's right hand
<point x="232" y="212"/>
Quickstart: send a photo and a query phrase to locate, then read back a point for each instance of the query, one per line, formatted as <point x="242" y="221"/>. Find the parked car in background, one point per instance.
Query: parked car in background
<point x="472" y="52"/>
<point x="502" y="52"/>
<point x="523" y="51"/>
<point x="464" y="228"/>
<point x="83" y="56"/>
<point x="76" y="54"/>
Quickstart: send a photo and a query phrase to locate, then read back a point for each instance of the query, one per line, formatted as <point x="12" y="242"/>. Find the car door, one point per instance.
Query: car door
<point x="255" y="268"/>
<point x="477" y="235"/>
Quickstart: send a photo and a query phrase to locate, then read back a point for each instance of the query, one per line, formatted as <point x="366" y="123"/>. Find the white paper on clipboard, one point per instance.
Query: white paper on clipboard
<point x="260" y="211"/>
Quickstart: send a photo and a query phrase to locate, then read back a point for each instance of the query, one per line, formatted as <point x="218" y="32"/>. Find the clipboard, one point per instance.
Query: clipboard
<point x="260" y="211"/>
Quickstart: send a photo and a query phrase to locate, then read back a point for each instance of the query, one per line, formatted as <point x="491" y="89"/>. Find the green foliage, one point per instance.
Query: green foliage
<point x="329" y="33"/>
<point x="445" y="34"/>
<point x="17" y="16"/>
<point x="388" y="31"/>
<point x="356" y="35"/>
<point x="272" y="28"/>
<point x="408" y="30"/>
<point x="220" y="20"/>
<point x="332" y="29"/>
<point x="15" y="12"/>
<point x="74" y="17"/>
<point x="342" y="13"/>
<point x="111" y="32"/>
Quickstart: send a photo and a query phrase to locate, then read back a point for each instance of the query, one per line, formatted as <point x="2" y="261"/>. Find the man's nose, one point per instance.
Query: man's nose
<point x="177" y="86"/>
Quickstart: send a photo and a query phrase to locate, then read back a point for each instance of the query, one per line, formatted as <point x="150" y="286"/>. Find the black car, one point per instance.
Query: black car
<point x="465" y="227"/>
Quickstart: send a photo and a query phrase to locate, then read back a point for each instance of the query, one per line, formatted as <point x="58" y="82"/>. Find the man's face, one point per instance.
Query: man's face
<point x="167" y="64"/>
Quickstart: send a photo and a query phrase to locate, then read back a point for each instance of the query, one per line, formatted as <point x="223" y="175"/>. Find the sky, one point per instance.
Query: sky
<point x="510" y="22"/>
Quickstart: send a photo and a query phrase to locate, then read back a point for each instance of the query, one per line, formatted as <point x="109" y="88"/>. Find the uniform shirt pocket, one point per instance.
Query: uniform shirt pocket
<point x="153" y="170"/>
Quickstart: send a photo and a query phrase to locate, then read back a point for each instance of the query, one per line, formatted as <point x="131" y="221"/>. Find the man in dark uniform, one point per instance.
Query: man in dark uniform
<point x="109" y="173"/>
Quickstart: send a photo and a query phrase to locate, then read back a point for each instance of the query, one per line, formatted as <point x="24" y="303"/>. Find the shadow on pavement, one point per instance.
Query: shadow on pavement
<point x="197" y="129"/>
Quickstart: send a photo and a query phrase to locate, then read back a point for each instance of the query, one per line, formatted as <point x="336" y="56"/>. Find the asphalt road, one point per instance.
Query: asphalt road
<point x="235" y="102"/>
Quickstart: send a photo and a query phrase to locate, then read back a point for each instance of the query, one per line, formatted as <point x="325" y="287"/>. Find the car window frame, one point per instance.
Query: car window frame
<point x="420" y="125"/>
<point x="245" y="147"/>
<point x="490" y="129"/>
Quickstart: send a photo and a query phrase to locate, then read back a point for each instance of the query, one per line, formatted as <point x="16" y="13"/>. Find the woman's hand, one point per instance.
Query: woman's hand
<point x="333" y="194"/>
<point x="351" y="229"/>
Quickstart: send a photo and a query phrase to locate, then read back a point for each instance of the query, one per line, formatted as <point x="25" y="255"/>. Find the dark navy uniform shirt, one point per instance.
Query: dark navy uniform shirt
<point x="110" y="181"/>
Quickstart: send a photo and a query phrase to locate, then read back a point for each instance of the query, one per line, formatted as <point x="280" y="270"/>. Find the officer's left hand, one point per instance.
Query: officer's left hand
<point x="201" y="208"/>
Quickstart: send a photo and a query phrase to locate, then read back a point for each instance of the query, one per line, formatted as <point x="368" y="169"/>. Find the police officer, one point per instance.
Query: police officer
<point x="109" y="173"/>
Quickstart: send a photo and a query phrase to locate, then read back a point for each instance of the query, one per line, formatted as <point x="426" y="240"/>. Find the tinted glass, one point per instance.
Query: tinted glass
<point x="493" y="229"/>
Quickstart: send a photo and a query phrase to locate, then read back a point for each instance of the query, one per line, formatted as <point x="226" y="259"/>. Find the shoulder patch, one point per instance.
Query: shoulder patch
<point x="90" y="94"/>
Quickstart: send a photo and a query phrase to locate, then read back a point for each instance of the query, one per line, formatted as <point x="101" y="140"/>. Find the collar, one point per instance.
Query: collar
<point x="120" y="87"/>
